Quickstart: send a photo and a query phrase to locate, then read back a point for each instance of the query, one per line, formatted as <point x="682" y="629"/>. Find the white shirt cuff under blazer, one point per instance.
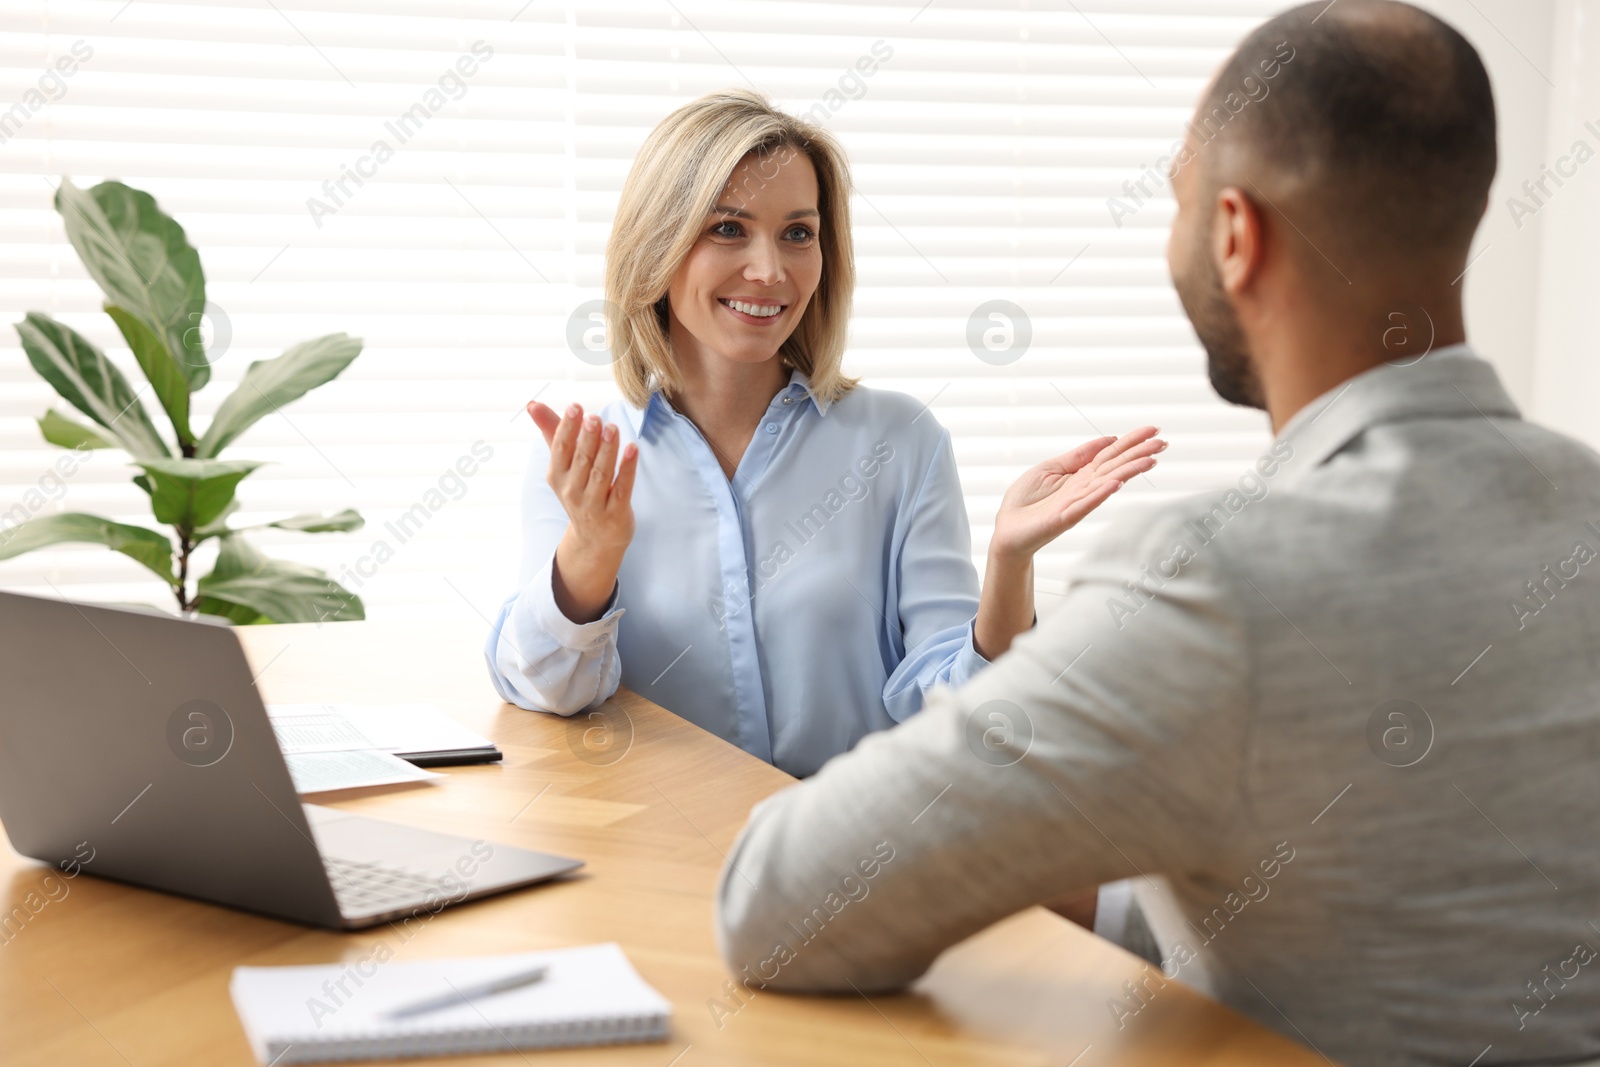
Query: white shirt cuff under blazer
<point x="818" y="596"/>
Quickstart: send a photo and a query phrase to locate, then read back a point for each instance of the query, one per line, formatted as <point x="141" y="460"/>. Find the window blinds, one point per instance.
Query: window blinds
<point x="438" y="179"/>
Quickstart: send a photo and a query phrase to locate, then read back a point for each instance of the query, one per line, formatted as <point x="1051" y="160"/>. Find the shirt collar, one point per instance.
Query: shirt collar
<point x="657" y="407"/>
<point x="1451" y="382"/>
<point x="800" y="384"/>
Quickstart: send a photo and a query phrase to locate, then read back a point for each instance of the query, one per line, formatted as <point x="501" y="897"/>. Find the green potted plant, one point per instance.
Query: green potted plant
<point x="155" y="293"/>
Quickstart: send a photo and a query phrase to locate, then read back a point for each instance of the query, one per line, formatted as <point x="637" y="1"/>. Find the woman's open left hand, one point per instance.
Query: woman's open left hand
<point x="1052" y="497"/>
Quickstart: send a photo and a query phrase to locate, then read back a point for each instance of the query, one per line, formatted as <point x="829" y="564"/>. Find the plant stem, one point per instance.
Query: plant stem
<point x="185" y="547"/>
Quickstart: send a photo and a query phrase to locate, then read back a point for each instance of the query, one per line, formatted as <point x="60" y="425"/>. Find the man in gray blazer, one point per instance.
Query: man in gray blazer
<point x="1340" y="721"/>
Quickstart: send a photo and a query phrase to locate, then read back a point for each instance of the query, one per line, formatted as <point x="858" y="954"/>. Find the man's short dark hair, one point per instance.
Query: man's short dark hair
<point x="1383" y="121"/>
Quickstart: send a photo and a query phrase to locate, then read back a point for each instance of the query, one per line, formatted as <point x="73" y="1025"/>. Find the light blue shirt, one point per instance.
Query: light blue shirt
<point x="812" y="599"/>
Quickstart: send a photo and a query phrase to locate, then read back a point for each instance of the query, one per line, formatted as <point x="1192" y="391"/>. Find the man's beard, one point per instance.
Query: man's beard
<point x="1228" y="363"/>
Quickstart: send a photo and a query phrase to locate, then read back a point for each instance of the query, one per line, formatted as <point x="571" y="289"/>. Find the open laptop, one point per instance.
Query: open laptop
<point x="135" y="746"/>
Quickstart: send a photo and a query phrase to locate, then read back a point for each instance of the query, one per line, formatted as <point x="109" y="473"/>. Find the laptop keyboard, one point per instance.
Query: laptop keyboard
<point x="369" y="888"/>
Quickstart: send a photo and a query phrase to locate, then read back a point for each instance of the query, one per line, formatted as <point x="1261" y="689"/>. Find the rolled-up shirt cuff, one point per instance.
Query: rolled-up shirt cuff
<point x="547" y="615"/>
<point x="969" y="661"/>
<point x="937" y="661"/>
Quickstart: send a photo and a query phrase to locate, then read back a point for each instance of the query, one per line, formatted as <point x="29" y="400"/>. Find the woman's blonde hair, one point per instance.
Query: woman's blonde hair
<point x="676" y="180"/>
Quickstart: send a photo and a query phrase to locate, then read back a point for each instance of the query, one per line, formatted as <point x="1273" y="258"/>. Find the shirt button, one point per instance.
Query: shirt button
<point x="788" y="400"/>
<point x="772" y="427"/>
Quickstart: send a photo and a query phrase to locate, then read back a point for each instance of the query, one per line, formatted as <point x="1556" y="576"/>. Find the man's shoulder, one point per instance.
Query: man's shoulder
<point x="1398" y="500"/>
<point x="1235" y="516"/>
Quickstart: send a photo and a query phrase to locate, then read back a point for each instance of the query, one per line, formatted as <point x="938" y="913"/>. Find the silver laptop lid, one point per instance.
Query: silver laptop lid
<point x="140" y="740"/>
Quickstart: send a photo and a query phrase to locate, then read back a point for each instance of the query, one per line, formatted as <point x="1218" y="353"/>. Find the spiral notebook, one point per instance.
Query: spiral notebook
<point x="587" y="996"/>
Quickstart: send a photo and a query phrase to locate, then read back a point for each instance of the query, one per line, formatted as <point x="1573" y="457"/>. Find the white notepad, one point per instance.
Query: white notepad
<point x="407" y="730"/>
<point x="323" y="772"/>
<point x="351" y="746"/>
<point x="588" y="996"/>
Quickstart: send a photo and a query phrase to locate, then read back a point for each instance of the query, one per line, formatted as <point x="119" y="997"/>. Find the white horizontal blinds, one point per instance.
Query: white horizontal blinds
<point x="985" y="141"/>
<point x="452" y="261"/>
<point x="984" y="145"/>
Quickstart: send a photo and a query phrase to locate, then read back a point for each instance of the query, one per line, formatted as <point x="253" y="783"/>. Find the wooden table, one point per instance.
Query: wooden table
<point x="111" y="975"/>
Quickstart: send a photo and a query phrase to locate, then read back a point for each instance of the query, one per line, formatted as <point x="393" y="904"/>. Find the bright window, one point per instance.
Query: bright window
<point x="985" y="143"/>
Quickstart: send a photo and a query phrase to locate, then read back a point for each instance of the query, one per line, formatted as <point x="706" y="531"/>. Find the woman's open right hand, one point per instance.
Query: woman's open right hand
<point x="596" y="490"/>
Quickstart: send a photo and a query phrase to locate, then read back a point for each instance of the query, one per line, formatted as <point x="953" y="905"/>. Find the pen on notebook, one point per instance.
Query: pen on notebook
<point x="456" y="996"/>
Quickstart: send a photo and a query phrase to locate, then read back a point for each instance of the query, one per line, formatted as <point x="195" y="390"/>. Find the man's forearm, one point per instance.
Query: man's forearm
<point x="1008" y="791"/>
<point x="923" y="835"/>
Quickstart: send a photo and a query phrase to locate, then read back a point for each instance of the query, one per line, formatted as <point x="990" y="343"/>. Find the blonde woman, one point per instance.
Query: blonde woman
<point x="749" y="538"/>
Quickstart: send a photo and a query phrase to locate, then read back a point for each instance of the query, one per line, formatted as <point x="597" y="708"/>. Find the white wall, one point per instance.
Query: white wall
<point x="1566" y="379"/>
<point x="1532" y="298"/>
<point x="1502" y="285"/>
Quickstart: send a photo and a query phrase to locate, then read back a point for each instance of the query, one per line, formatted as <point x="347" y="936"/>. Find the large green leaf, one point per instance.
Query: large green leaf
<point x="283" y="596"/>
<point x="341" y="522"/>
<point x="238" y="614"/>
<point x="271" y="383"/>
<point x="166" y="378"/>
<point x="146" y="546"/>
<point x="189" y="493"/>
<point x="60" y="430"/>
<point x="236" y="556"/>
<point x="89" y="382"/>
<point x="244" y="580"/>
<point x="142" y="262"/>
<point x="217" y="527"/>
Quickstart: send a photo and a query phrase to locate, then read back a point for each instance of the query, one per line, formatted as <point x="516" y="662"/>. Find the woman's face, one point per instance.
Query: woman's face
<point x="746" y="282"/>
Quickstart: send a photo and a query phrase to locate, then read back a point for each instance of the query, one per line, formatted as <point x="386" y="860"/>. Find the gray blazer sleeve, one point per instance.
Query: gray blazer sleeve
<point x="1106" y="743"/>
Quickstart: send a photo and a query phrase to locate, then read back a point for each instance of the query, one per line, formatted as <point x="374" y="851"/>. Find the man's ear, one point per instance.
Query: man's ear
<point x="1237" y="240"/>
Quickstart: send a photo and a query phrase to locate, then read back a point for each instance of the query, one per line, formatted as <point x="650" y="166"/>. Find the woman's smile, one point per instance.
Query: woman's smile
<point x="755" y="312"/>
